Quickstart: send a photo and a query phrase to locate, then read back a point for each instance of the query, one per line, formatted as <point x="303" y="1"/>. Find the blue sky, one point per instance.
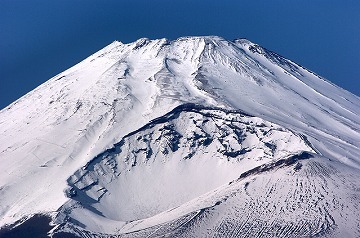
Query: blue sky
<point x="41" y="38"/>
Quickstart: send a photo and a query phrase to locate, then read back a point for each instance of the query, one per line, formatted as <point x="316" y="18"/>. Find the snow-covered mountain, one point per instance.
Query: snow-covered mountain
<point x="196" y="137"/>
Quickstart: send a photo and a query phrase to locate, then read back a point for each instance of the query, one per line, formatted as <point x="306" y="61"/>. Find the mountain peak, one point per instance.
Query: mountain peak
<point x="196" y="38"/>
<point x="155" y="116"/>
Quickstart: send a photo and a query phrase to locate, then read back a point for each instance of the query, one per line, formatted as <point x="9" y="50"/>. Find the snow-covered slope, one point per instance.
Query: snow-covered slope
<point x="303" y="195"/>
<point x="113" y="143"/>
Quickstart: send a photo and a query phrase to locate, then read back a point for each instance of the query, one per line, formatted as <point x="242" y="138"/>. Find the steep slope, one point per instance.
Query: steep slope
<point x="303" y="195"/>
<point x="58" y="132"/>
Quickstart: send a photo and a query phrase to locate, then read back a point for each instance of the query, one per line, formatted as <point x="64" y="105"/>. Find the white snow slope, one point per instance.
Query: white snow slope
<point x="197" y="137"/>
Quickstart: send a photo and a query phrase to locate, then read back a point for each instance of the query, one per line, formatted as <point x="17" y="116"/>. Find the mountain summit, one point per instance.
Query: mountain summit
<point x="196" y="137"/>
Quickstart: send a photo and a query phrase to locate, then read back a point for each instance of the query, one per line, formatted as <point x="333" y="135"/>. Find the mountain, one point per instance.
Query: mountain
<point x="196" y="137"/>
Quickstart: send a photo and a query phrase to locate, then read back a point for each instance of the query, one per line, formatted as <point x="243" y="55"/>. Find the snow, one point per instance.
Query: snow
<point x="49" y="135"/>
<point x="130" y="183"/>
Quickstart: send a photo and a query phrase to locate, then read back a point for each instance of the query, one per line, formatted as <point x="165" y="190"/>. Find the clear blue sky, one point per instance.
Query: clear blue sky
<point x="39" y="39"/>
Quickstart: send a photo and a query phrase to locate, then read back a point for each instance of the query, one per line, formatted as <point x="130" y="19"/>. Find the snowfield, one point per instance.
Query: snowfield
<point x="196" y="137"/>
